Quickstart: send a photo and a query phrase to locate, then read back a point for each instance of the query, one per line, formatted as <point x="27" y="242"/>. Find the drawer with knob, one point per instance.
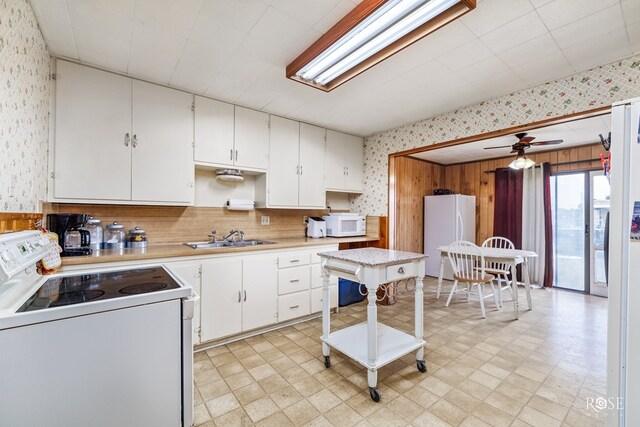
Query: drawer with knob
<point x="294" y="259"/>
<point x="293" y="279"/>
<point x="401" y="271"/>
<point x="293" y="305"/>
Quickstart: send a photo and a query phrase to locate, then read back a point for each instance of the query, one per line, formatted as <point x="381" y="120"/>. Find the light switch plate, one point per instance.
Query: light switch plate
<point x="265" y="220"/>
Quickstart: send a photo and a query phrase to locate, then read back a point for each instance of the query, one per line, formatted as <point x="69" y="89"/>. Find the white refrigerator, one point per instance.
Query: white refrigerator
<point x="623" y="337"/>
<point x="446" y="219"/>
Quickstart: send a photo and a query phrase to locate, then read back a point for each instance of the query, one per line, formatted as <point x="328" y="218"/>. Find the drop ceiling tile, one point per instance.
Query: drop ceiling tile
<point x="539" y="3"/>
<point x="101" y="50"/>
<point x="600" y="49"/>
<point x="492" y="14"/>
<point x="559" y="13"/>
<point x="262" y="49"/>
<point x="516" y="32"/>
<point x="531" y="50"/>
<point x="279" y="29"/>
<point x="198" y="64"/>
<point x="53" y="20"/>
<point x="633" y="31"/>
<point x="442" y="41"/>
<point x="163" y="16"/>
<point x="466" y="55"/>
<point x="425" y="73"/>
<point x="242" y="15"/>
<point x="334" y="16"/>
<point x="303" y="42"/>
<point x="547" y="68"/>
<point x="631" y="11"/>
<point x="224" y="37"/>
<point x="599" y="23"/>
<point x="309" y="12"/>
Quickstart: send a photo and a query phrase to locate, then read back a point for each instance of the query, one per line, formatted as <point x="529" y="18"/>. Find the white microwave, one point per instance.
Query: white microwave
<point x="345" y="225"/>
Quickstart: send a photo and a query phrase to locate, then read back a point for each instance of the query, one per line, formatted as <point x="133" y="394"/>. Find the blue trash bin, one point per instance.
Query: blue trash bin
<point x="349" y="292"/>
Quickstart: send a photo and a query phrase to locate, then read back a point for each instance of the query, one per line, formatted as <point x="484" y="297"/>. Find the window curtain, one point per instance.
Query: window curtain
<point x="507" y="216"/>
<point x="534" y="220"/>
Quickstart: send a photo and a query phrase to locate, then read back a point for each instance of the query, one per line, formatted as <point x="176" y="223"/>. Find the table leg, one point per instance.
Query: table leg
<point x="419" y="313"/>
<point x="527" y="282"/>
<point x="326" y="315"/>
<point x="514" y="288"/>
<point x="440" y="276"/>
<point x="372" y="336"/>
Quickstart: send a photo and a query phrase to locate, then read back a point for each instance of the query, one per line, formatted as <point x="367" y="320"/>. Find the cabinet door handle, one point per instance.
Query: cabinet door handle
<point x="135" y="141"/>
<point x="294" y="306"/>
<point x="127" y="138"/>
<point x="401" y="270"/>
<point x="231" y="154"/>
<point x="297" y="170"/>
<point x="294" y="260"/>
<point x="236" y="155"/>
<point x="300" y="169"/>
<point x="294" y="280"/>
<point x="239" y="296"/>
<point x="245" y="295"/>
<point x="347" y="169"/>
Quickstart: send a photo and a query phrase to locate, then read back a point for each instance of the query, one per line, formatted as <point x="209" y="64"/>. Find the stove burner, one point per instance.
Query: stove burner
<point x="74" y="297"/>
<point x="143" y="288"/>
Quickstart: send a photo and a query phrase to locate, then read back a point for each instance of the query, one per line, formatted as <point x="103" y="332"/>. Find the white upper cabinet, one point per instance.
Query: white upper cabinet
<point x="344" y="162"/>
<point x="354" y="162"/>
<point x="162" y="162"/>
<point x="296" y="165"/>
<point x="284" y="135"/>
<point x="121" y="140"/>
<point x="92" y="156"/>
<point x="251" y="141"/>
<point x="213" y="131"/>
<point x="312" y="159"/>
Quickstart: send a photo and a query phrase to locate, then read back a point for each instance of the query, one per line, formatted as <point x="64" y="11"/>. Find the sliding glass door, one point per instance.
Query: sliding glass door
<point x="579" y="207"/>
<point x="569" y="230"/>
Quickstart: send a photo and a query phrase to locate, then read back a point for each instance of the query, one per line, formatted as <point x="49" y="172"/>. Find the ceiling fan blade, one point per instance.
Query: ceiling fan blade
<point x="527" y="139"/>
<point x="500" y="146"/>
<point x="551" y="142"/>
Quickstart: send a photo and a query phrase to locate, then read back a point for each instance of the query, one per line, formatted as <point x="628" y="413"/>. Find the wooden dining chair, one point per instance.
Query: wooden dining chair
<point x="501" y="270"/>
<point x="469" y="272"/>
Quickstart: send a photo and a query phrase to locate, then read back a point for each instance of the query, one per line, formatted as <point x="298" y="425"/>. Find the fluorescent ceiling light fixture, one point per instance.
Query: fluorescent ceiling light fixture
<point x="370" y="33"/>
<point x="521" y="162"/>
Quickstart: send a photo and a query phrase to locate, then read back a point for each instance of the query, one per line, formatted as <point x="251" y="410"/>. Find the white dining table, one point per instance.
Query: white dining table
<point x="511" y="257"/>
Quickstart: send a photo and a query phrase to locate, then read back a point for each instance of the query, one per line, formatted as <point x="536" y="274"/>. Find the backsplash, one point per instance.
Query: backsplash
<point x="597" y="87"/>
<point x="168" y="224"/>
<point x="24" y="109"/>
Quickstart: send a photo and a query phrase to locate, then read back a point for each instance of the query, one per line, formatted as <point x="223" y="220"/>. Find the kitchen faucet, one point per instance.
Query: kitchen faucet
<point x="233" y="232"/>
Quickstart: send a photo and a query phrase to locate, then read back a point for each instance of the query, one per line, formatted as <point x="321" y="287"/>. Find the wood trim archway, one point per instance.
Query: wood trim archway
<point x="396" y="176"/>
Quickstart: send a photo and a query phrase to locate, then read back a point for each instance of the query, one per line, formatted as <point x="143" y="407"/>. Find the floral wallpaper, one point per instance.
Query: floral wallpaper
<point x="24" y="109"/>
<point x="586" y="90"/>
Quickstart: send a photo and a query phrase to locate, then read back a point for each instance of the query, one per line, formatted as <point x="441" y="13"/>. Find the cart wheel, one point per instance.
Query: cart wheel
<point x="375" y="394"/>
<point x="422" y="367"/>
<point x="327" y="361"/>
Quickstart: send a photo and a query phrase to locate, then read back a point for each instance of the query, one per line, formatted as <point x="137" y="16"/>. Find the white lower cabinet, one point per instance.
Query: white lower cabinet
<point x="259" y="292"/>
<point x="221" y="298"/>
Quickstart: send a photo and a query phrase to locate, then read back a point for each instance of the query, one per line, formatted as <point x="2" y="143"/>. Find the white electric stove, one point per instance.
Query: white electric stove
<point x="100" y="347"/>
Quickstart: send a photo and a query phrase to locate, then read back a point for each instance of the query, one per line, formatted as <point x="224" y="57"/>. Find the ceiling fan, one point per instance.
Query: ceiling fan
<point x="524" y="143"/>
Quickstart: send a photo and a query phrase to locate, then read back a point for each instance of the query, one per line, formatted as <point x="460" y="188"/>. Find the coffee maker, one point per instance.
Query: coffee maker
<point x="72" y="236"/>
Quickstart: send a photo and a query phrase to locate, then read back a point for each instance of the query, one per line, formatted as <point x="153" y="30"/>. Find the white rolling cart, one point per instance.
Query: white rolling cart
<point x="373" y="344"/>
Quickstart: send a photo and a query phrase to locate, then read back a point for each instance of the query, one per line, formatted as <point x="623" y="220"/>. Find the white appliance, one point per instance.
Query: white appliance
<point x="447" y="218"/>
<point x="316" y="227"/>
<point x="623" y="346"/>
<point x="345" y="224"/>
<point x="103" y="347"/>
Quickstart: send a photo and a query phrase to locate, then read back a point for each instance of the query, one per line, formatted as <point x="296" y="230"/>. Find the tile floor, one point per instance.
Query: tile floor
<point x="536" y="371"/>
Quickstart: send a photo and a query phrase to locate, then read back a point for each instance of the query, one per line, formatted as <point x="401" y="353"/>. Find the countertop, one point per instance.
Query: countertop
<point x="373" y="256"/>
<point x="172" y="250"/>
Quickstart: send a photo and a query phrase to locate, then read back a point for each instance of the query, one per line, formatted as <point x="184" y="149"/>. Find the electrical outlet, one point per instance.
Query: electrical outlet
<point x="305" y="219"/>
<point x="265" y="220"/>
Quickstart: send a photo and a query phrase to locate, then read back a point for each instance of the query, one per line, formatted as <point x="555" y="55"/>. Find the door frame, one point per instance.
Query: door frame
<point x="592" y="261"/>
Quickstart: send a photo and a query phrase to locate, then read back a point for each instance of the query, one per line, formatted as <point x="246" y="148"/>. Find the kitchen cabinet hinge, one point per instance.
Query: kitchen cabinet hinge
<point x="200" y="332"/>
<point x="193" y="144"/>
<point x="53" y="175"/>
<point x="193" y="106"/>
<point x="200" y="272"/>
<point x="53" y="76"/>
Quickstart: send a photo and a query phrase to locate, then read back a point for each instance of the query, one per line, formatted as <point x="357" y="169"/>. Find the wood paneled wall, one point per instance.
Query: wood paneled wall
<point x="470" y="179"/>
<point x="414" y="180"/>
<point x="18" y="221"/>
<point x="167" y="224"/>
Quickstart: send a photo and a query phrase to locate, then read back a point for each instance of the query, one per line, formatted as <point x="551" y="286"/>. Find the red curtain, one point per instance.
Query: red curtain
<point x="548" y="227"/>
<point x="507" y="216"/>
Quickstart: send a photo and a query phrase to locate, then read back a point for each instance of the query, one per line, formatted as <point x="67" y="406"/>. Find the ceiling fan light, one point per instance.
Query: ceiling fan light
<point x="521" y="162"/>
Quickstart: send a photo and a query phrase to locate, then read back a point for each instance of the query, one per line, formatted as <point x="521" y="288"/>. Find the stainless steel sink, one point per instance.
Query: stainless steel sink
<point x="213" y="245"/>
